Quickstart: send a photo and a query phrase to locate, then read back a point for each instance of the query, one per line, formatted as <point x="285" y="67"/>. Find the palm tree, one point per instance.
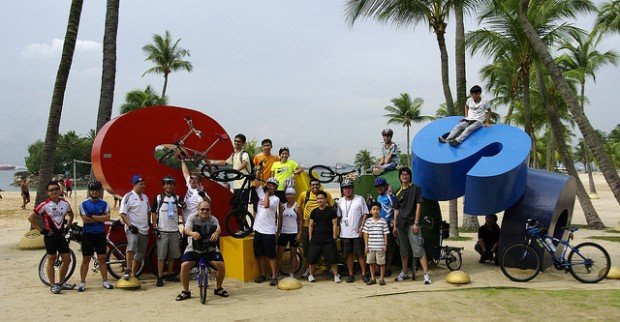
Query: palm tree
<point x="58" y="95"/>
<point x="593" y="142"/>
<point x="137" y="99"/>
<point x="608" y="19"/>
<point x="404" y="112"/>
<point x="403" y="13"/>
<point x="167" y="57"/>
<point x="364" y="159"/>
<point x="106" y="98"/>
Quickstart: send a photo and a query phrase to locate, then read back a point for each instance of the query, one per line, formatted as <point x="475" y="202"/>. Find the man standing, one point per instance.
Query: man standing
<point x="195" y="193"/>
<point x="266" y="230"/>
<point x="352" y="211"/>
<point x="69" y="186"/>
<point x="322" y="232"/>
<point x="284" y="170"/>
<point x="263" y="162"/>
<point x="407" y="213"/>
<point x="386" y="201"/>
<point x="165" y="219"/>
<point x="53" y="211"/>
<point x="94" y="212"/>
<point x="134" y="212"/>
<point x="307" y="202"/>
<point x="25" y="192"/>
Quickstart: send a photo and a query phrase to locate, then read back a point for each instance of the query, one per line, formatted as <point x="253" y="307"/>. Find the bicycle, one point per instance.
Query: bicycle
<point x="194" y="156"/>
<point x="451" y="255"/>
<point x="239" y="221"/>
<point x="340" y="171"/>
<point x="115" y="256"/>
<point x="520" y="262"/>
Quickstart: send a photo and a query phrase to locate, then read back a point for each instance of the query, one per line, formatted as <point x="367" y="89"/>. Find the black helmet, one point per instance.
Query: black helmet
<point x="167" y="179"/>
<point x="387" y="132"/>
<point x="94" y="185"/>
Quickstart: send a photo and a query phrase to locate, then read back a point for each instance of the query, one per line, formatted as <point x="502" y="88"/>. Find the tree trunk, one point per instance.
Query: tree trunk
<point x="453" y="218"/>
<point x="108" y="75"/>
<point x="588" y="167"/>
<point x="58" y="96"/>
<point x="591" y="138"/>
<point x="550" y="155"/>
<point x="163" y="92"/>
<point x="445" y="70"/>
<point x="527" y="111"/>
<point x="592" y="218"/>
<point x="459" y="56"/>
<point x="408" y="148"/>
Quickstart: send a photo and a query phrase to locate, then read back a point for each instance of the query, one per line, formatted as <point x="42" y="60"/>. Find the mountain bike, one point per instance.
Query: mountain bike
<point x="239" y="221"/>
<point x="521" y="261"/>
<point x="196" y="157"/>
<point x="115" y="257"/>
<point x="339" y="172"/>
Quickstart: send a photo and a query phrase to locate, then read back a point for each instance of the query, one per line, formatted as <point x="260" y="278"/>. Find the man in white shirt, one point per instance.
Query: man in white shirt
<point x="352" y="211"/>
<point x="477" y="111"/>
<point x="266" y="230"/>
<point x="195" y="193"/>
<point x="134" y="212"/>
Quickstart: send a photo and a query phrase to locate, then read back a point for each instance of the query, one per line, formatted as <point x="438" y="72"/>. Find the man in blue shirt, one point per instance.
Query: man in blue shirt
<point x="386" y="201"/>
<point x="94" y="212"/>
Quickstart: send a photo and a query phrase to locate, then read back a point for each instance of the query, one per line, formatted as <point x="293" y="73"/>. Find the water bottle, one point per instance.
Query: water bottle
<point x="549" y="243"/>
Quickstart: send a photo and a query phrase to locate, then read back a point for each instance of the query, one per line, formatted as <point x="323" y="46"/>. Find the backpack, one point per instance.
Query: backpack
<point x="241" y="159"/>
<point x="159" y="198"/>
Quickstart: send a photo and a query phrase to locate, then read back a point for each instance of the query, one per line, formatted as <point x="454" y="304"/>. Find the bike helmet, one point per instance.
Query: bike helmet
<point x="346" y="183"/>
<point x="387" y="132"/>
<point x="273" y="181"/>
<point x="167" y="179"/>
<point x="380" y="182"/>
<point x="94" y="185"/>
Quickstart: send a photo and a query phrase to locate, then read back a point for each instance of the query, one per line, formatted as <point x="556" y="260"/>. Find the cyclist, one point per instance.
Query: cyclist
<point x="289" y="224"/>
<point x="202" y="243"/>
<point x="352" y="211"/>
<point x="94" y="212"/>
<point x="263" y="162"/>
<point x="195" y="193"/>
<point x="165" y="218"/>
<point x="239" y="160"/>
<point x="283" y="170"/>
<point x="54" y="212"/>
<point x="386" y="200"/>
<point x="323" y="230"/>
<point x="266" y="230"/>
<point x="389" y="154"/>
<point x="134" y="212"/>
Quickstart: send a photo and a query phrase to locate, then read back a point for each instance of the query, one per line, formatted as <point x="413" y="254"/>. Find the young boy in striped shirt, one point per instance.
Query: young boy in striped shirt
<point x="376" y="232"/>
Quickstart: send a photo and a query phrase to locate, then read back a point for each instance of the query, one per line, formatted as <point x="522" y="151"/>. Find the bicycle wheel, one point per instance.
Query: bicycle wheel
<point x="202" y="284"/>
<point x="239" y="223"/>
<point x="322" y="173"/>
<point x="43" y="273"/>
<point x="152" y="256"/>
<point x="520" y="262"/>
<point x="207" y="170"/>
<point x="285" y="263"/>
<point x="226" y="175"/>
<point x="116" y="262"/>
<point x="589" y="263"/>
<point x="454" y="260"/>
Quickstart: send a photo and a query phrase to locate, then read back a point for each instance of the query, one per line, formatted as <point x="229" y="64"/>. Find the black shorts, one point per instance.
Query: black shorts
<point x="192" y="256"/>
<point x="25" y="194"/>
<point x="93" y="243"/>
<point x="327" y="250"/>
<point x="56" y="244"/>
<point x="285" y="239"/>
<point x="264" y="245"/>
<point x="69" y="189"/>
<point x="353" y="246"/>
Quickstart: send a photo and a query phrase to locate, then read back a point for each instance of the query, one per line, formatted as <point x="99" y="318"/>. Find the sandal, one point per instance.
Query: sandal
<point x="260" y="279"/>
<point x="184" y="295"/>
<point x="221" y="292"/>
<point x="382" y="282"/>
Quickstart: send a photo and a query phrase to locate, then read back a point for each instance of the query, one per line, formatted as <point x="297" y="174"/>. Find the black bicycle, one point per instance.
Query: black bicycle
<point x="239" y="221"/>
<point x="450" y="255"/>
<point x="521" y="262"/>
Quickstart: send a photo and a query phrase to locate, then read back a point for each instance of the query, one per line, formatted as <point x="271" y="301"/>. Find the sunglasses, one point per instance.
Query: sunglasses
<point x="205" y="209"/>
<point x="53" y="190"/>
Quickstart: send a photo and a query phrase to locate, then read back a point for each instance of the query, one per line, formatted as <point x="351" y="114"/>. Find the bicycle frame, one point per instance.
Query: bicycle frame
<point x="537" y="235"/>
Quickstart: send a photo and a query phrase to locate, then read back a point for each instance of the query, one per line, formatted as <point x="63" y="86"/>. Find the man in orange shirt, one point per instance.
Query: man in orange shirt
<point x="262" y="164"/>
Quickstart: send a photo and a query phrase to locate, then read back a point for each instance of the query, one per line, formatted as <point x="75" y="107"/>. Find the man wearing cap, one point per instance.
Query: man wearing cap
<point x="134" y="212"/>
<point x="195" y="193"/>
<point x="386" y="201"/>
<point x="289" y="226"/>
<point x="266" y="230"/>
<point x="352" y="211"/>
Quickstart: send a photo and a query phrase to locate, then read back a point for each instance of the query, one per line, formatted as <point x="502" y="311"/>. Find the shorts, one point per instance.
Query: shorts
<point x="264" y="245"/>
<point x="286" y="239"/>
<point x="69" y="189"/>
<point x="407" y="239"/>
<point x="56" y="244"/>
<point x="327" y="250"/>
<point x="168" y="245"/>
<point x="92" y="243"/>
<point x="136" y="243"/>
<point x="192" y="256"/>
<point x="25" y="194"/>
<point x="353" y="246"/>
<point x="375" y="257"/>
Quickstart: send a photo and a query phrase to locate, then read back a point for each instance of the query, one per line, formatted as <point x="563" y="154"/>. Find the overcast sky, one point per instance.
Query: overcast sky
<point x="293" y="71"/>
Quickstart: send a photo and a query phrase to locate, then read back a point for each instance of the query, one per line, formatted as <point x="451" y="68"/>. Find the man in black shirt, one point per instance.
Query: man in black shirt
<point x="322" y="232"/>
<point x="488" y="240"/>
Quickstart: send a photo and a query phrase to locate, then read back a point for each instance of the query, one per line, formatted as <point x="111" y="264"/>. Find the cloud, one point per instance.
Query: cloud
<point x="53" y="49"/>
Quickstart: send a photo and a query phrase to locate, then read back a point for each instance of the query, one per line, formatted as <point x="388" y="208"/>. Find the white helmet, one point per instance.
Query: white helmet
<point x="274" y="181"/>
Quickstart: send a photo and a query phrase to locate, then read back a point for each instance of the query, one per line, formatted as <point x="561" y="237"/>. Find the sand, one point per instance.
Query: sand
<point x="24" y="297"/>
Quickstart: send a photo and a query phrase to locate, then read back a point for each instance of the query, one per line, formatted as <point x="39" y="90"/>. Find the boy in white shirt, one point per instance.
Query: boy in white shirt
<point x="376" y="232"/>
<point x="477" y="111"/>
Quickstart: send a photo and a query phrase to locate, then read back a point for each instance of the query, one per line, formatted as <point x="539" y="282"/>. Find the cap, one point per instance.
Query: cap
<point x="136" y="179"/>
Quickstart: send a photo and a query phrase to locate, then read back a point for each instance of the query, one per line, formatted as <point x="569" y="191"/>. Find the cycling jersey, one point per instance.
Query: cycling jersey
<point x="53" y="214"/>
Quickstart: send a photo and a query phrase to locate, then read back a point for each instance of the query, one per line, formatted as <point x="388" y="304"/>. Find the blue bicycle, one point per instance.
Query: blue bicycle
<point x="586" y="262"/>
<point x="203" y="279"/>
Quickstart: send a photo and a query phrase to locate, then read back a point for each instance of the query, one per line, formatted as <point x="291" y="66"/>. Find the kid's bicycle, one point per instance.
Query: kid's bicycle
<point x="521" y="262"/>
<point x="450" y="255"/>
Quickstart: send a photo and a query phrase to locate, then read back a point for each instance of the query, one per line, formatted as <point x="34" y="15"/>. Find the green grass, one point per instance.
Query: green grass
<point x="465" y="230"/>
<point x="613" y="231"/>
<point x="615" y="239"/>
<point x="460" y="238"/>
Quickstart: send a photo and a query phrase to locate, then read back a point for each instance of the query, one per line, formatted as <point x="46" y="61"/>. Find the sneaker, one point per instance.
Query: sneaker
<point x="454" y="143"/>
<point x="350" y="279"/>
<point x="402" y="276"/>
<point x="274" y="282"/>
<point x="427" y="279"/>
<point x="81" y="287"/>
<point x="311" y="278"/>
<point x="442" y="139"/>
<point x="68" y="286"/>
<point x="306" y="273"/>
<point x="107" y="285"/>
<point x="337" y="279"/>
<point x="127" y="274"/>
<point x="160" y="282"/>
<point x="291" y="275"/>
<point x="56" y="288"/>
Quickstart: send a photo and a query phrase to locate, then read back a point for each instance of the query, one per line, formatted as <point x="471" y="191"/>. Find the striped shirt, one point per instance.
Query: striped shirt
<point x="376" y="230"/>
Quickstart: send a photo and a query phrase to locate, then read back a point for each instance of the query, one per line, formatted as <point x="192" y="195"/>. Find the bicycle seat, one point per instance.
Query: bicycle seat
<point x="571" y="229"/>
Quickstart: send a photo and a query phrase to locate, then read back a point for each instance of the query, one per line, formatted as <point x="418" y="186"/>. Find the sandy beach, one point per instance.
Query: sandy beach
<point x="24" y="297"/>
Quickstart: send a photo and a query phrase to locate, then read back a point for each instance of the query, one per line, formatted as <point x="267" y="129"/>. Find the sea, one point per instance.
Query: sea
<point x="6" y="178"/>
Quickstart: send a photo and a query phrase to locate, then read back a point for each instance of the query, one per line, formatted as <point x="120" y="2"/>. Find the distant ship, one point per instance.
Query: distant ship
<point x="7" y="167"/>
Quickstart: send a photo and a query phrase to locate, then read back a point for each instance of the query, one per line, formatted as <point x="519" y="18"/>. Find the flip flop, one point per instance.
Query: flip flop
<point x="184" y="295"/>
<point x="221" y="292"/>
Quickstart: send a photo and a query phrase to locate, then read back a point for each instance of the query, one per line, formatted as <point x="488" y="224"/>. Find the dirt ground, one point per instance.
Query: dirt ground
<point x="490" y="295"/>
